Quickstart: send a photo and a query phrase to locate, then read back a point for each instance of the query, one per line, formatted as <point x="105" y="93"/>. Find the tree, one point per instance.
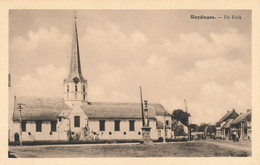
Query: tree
<point x="179" y="131"/>
<point x="181" y="116"/>
<point x="193" y="127"/>
<point x="177" y="128"/>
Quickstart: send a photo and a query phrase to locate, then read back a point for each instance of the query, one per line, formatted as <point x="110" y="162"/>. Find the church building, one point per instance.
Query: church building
<point x="73" y="117"/>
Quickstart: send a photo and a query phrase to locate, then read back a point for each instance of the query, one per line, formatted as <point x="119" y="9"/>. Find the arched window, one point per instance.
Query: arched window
<point x="76" y="88"/>
<point x="84" y="97"/>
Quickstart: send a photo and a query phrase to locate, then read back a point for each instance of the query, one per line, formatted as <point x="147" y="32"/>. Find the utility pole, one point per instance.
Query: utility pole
<point x="164" y="129"/>
<point x="20" y="117"/>
<point x="186" y="109"/>
<point x="142" y="106"/>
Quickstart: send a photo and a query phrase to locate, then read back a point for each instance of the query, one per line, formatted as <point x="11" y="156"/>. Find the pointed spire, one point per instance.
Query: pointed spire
<point x="75" y="68"/>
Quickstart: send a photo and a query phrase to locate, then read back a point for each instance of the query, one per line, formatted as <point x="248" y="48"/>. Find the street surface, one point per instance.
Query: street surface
<point x="203" y="148"/>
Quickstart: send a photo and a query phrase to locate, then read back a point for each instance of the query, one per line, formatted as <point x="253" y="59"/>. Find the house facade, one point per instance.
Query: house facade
<point x="73" y="117"/>
<point x="221" y="129"/>
<point x="241" y="127"/>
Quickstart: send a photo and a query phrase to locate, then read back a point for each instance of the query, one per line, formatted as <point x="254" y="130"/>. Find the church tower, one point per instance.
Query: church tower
<point x="75" y="86"/>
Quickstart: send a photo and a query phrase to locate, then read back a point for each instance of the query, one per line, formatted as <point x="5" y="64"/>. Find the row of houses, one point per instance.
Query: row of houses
<point x="233" y="125"/>
<point x="230" y="126"/>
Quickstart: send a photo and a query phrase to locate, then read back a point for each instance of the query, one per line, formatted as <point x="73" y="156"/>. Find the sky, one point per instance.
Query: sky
<point x="173" y="57"/>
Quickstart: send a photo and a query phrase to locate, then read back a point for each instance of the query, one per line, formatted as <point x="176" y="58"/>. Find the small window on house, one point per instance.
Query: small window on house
<point x="110" y="133"/>
<point x="102" y="125"/>
<point x="76" y="121"/>
<point x="24" y="126"/>
<point x="131" y="125"/>
<point x="139" y="133"/>
<point x="159" y="133"/>
<point x="117" y="125"/>
<point x="59" y="119"/>
<point x="68" y="88"/>
<point x="84" y="97"/>
<point x="124" y="133"/>
<point x="167" y="122"/>
<point x="148" y="122"/>
<point x="53" y="126"/>
<point x="76" y="88"/>
<point x="83" y="88"/>
<point x="38" y="126"/>
<point x="29" y="133"/>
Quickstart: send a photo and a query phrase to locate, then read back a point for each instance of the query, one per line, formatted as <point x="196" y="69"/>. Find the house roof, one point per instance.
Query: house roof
<point x="242" y="117"/>
<point x="227" y="116"/>
<point x="227" y="124"/>
<point x="116" y="112"/>
<point x="39" y="108"/>
<point x="51" y="108"/>
<point x="160" y="110"/>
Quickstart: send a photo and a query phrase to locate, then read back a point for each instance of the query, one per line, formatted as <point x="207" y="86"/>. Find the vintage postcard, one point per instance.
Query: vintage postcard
<point x="130" y="82"/>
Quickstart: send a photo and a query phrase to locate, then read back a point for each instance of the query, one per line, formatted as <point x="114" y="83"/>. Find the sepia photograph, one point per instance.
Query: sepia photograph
<point x="129" y="83"/>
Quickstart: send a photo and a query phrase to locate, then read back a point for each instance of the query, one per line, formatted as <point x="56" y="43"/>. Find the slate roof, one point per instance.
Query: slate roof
<point x="116" y="112"/>
<point x="39" y="108"/>
<point x="159" y="109"/>
<point x="51" y="108"/>
<point x="242" y="117"/>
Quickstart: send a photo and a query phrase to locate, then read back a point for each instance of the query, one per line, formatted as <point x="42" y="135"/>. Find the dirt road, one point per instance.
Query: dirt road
<point x="245" y="146"/>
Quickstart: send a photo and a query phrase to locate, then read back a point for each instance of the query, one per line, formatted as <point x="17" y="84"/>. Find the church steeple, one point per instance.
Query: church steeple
<point x="75" y="67"/>
<point x="75" y="86"/>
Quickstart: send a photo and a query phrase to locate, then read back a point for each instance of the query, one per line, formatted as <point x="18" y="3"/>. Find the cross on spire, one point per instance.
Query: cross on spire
<point x="75" y="14"/>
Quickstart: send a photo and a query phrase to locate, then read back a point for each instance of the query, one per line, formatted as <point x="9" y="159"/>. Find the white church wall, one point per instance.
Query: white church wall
<point x="63" y="126"/>
<point x="124" y="132"/>
<point x="62" y="129"/>
<point x="30" y="134"/>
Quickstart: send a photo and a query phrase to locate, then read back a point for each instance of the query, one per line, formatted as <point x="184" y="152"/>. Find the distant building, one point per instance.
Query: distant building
<point x="222" y="131"/>
<point x="75" y="118"/>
